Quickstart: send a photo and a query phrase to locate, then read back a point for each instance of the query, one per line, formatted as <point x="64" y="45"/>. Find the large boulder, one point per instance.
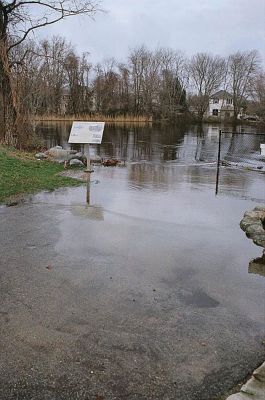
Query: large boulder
<point x="41" y="156"/>
<point x="75" y="162"/>
<point x="58" y="154"/>
<point x="96" y="159"/>
<point x="254" y="389"/>
<point x="79" y="156"/>
<point x="253" y="224"/>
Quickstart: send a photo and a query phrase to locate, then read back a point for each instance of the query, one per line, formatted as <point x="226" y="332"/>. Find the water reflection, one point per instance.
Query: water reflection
<point x="157" y="155"/>
<point x="95" y="212"/>
<point x="158" y="142"/>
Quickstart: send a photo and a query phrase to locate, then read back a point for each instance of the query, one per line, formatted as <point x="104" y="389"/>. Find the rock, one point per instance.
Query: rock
<point x="259" y="208"/>
<point x="253" y="225"/>
<point x="246" y="222"/>
<point x="257" y="266"/>
<point x="237" y="396"/>
<point x="41" y="156"/>
<point x="93" y="159"/>
<point x="55" y="148"/>
<point x="110" y="162"/>
<point x="96" y="159"/>
<point x="259" y="373"/>
<point x="58" y="154"/>
<point x="79" y="155"/>
<point x="254" y="229"/>
<point x="259" y="240"/>
<point x="75" y="162"/>
<point x="254" y="214"/>
<point x="254" y="388"/>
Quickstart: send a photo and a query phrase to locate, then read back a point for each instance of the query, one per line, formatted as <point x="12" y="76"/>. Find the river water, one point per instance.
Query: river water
<point x="160" y="155"/>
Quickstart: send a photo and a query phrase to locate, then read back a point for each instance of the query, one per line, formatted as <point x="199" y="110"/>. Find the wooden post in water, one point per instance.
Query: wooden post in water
<point x="218" y="162"/>
<point x="88" y="171"/>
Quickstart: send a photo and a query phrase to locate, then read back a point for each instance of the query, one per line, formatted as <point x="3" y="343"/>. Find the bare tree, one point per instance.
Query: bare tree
<point x="257" y="95"/>
<point x="77" y="80"/>
<point x="157" y="80"/>
<point x="207" y="73"/>
<point x="137" y="64"/>
<point x="106" y="87"/>
<point x="242" y="68"/>
<point x="174" y="80"/>
<point x="124" y="88"/>
<point x="51" y="78"/>
<point x="19" y="18"/>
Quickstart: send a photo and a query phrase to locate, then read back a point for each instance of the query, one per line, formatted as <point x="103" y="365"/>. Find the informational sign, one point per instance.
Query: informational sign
<point x="86" y="132"/>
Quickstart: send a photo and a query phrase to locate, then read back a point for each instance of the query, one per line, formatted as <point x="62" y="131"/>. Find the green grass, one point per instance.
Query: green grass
<point x="21" y="174"/>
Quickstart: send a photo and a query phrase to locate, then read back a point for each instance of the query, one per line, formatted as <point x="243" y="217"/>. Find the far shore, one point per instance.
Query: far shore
<point x="141" y="119"/>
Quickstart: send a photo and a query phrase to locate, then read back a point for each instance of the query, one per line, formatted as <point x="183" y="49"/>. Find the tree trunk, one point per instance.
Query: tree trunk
<point x="236" y="112"/>
<point x="9" y="134"/>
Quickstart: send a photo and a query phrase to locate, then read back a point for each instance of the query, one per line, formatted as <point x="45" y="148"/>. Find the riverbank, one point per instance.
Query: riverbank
<point x="21" y="174"/>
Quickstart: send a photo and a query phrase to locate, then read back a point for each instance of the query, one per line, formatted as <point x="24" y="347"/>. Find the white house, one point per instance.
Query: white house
<point x="221" y="105"/>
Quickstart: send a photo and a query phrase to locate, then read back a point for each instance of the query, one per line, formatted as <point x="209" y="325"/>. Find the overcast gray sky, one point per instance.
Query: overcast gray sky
<point x="216" y="26"/>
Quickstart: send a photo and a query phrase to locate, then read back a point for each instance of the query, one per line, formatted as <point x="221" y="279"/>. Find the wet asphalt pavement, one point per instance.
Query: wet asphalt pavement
<point x="146" y="295"/>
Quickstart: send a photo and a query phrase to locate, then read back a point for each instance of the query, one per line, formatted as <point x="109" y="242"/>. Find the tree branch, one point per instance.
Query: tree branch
<point x="61" y="9"/>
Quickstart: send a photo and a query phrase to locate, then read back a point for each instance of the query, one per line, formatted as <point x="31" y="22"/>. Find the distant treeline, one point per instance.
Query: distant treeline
<point x="54" y="80"/>
<point x="49" y="78"/>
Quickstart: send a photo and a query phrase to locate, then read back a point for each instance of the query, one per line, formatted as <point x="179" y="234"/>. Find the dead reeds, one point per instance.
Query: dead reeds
<point x="123" y="118"/>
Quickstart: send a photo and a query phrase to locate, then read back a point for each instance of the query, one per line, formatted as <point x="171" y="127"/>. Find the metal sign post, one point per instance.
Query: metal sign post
<point x="88" y="171"/>
<point x="87" y="133"/>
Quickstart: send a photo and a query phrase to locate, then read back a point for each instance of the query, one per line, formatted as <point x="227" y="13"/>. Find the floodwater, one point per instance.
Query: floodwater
<point x="153" y="288"/>
<point x="159" y="157"/>
<point x="167" y="177"/>
<point x="160" y="210"/>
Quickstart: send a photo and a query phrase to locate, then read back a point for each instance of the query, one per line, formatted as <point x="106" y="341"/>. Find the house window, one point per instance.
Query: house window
<point x="215" y="112"/>
<point x="229" y="101"/>
<point x="216" y="101"/>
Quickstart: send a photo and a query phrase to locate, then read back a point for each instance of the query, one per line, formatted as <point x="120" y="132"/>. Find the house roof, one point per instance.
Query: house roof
<point x="221" y="94"/>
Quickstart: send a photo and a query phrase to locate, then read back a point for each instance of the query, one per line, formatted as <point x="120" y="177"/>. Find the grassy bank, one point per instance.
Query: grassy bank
<point x="21" y="174"/>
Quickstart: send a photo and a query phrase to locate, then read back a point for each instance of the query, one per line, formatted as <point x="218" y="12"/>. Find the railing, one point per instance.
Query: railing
<point x="240" y="150"/>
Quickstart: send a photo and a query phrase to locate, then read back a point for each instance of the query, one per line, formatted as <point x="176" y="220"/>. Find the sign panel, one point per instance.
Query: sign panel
<point x="86" y="132"/>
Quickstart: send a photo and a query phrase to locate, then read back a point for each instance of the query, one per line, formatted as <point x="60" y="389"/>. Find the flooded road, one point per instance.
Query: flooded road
<point x="144" y="295"/>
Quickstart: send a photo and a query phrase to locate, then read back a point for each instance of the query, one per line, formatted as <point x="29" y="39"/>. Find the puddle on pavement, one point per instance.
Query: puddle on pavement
<point x="95" y="213"/>
<point x="198" y="298"/>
